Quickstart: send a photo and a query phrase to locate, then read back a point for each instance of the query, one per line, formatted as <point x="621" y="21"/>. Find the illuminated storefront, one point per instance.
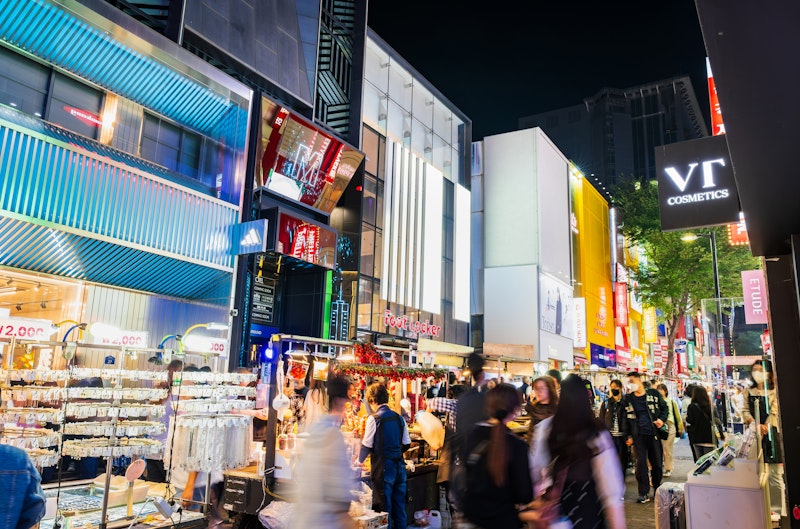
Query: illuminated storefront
<point x="592" y="269"/>
<point x="412" y="226"/>
<point x="122" y="173"/>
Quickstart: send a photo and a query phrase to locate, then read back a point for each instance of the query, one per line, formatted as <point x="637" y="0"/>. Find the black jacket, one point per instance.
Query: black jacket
<point x="655" y="403"/>
<point x="470" y="410"/>
<point x="699" y="425"/>
<point x="611" y="408"/>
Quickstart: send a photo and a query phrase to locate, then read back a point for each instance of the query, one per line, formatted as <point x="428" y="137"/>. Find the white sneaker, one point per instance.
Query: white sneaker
<point x="667" y="473"/>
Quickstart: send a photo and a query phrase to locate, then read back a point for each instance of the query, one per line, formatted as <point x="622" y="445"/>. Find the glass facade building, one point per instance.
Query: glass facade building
<point x="415" y="214"/>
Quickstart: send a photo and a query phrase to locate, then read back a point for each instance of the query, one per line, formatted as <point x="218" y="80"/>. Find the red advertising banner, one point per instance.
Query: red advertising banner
<point x="754" y="286"/>
<point x="737" y="234"/>
<point x="621" y="304"/>
<point x="717" y="126"/>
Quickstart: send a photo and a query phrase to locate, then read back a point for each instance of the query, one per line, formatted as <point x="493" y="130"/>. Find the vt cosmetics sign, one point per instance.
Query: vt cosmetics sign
<point x="696" y="187"/>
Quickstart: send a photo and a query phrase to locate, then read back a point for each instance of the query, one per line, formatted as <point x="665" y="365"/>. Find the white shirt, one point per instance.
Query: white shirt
<point x="370" y="428"/>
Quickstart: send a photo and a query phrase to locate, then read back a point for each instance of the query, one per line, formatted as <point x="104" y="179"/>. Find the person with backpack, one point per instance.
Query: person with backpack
<point x="647" y="416"/>
<point x="498" y="475"/>
<point x="675" y="425"/>
<point x="385" y="439"/>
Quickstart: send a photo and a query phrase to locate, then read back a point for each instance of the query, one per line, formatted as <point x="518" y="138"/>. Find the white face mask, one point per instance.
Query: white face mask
<point x="759" y="376"/>
<point x="633" y="387"/>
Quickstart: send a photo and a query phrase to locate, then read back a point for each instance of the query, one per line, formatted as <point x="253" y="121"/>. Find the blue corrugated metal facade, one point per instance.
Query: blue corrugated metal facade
<point x="74" y="207"/>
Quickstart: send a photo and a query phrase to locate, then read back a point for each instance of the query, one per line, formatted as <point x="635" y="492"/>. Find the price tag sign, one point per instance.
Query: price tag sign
<point x="126" y="338"/>
<point x="26" y="328"/>
<point x="206" y="345"/>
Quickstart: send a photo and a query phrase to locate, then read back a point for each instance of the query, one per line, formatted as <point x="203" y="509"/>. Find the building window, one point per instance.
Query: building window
<point x="75" y="106"/>
<point x="169" y="145"/>
<point x="23" y="83"/>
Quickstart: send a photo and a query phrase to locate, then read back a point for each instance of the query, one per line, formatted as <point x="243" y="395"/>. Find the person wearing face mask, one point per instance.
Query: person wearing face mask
<point x="647" y="413"/>
<point x="675" y="424"/>
<point x="613" y="414"/>
<point x="761" y="399"/>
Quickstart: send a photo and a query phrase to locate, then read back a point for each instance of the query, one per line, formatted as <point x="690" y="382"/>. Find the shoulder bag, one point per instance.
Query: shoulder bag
<point x="663" y="432"/>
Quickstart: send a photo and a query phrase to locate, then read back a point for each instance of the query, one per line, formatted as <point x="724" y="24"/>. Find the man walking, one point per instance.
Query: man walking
<point x="647" y="413"/>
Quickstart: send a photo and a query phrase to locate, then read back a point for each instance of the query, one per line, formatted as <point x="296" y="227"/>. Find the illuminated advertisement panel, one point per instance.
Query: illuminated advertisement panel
<point x="301" y="162"/>
<point x="306" y="241"/>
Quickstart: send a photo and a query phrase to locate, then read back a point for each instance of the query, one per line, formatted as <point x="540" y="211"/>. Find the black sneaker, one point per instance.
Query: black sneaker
<point x="643" y="499"/>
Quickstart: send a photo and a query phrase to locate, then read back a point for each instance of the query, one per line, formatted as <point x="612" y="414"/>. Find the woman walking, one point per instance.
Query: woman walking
<point x="675" y="424"/>
<point x="585" y="461"/>
<point x="498" y="474"/>
<point x="702" y="424"/>
<point x="615" y="418"/>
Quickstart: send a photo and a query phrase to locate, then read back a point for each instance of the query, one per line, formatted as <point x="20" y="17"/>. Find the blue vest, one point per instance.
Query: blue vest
<point x="388" y="443"/>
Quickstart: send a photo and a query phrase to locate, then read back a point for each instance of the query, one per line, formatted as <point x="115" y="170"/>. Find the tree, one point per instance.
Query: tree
<point x="676" y="275"/>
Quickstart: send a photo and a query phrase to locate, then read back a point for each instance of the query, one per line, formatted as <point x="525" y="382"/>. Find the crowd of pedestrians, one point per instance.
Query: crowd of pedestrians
<point x="570" y="467"/>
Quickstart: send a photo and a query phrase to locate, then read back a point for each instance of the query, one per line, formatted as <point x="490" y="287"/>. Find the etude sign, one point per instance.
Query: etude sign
<point x="696" y="187"/>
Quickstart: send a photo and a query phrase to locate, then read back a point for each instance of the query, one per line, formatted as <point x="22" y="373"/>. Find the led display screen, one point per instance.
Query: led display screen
<point x="307" y="241"/>
<point x="301" y="162"/>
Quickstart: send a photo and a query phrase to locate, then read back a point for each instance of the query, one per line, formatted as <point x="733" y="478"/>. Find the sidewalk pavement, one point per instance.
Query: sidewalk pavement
<point x="643" y="516"/>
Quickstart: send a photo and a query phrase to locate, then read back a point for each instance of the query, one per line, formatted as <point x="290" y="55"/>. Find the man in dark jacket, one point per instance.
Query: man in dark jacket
<point x="385" y="439"/>
<point x="647" y="413"/>
<point x="471" y="407"/>
<point x="615" y="417"/>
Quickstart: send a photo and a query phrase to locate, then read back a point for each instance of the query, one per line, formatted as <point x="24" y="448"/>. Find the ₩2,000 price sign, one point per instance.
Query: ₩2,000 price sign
<point x="26" y="328"/>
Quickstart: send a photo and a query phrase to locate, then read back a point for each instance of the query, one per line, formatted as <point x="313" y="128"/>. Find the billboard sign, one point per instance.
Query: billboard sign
<point x="696" y="187"/>
<point x="307" y="241"/>
<point x="301" y="162"/>
<point x="555" y="307"/>
<point x="579" y="334"/>
<point x="621" y="304"/>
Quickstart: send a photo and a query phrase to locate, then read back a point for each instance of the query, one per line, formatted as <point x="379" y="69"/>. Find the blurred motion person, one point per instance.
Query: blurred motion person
<point x="498" y="475"/>
<point x="22" y="504"/>
<point x="585" y="461"/>
<point x="385" y="439"/>
<point x="324" y="477"/>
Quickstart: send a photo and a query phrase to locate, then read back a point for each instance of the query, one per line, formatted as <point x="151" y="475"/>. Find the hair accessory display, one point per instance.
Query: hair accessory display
<point x="140" y="394"/>
<point x="217" y="392"/>
<point x="29" y="438"/>
<point x="83" y="372"/>
<point x="86" y="410"/>
<point x="107" y="429"/>
<point x="33" y="375"/>
<point x="100" y="448"/>
<point x="198" y="439"/>
<point x="28" y="416"/>
<point x="212" y="406"/>
<point x="219" y="378"/>
<point x="43" y="458"/>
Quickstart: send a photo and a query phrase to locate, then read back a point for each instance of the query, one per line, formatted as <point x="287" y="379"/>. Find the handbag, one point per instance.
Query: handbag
<point x="545" y="511"/>
<point x="663" y="432"/>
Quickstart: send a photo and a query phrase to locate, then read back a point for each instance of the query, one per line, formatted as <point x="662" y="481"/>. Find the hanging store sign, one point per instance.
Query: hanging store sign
<point x="754" y="286"/>
<point x="206" y="345"/>
<point x="26" y="328"/>
<point x="691" y="360"/>
<point x="650" y="325"/>
<point x="84" y="116"/>
<point x="579" y="340"/>
<point x="696" y="187"/>
<point x="621" y="304"/>
<point x="602" y="357"/>
<point x="737" y="234"/>
<point x="404" y="324"/>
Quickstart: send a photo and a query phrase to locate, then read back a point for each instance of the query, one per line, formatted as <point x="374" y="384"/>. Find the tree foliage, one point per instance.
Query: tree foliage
<point x="676" y="275"/>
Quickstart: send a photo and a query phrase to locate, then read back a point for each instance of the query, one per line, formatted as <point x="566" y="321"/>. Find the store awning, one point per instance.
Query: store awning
<point x="39" y="248"/>
<point x="509" y="352"/>
<point x="432" y="346"/>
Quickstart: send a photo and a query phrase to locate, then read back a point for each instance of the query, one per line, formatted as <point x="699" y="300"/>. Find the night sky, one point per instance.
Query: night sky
<point x="503" y="59"/>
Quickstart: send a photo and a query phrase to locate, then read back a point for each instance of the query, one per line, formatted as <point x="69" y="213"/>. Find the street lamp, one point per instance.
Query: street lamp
<point x="712" y="236"/>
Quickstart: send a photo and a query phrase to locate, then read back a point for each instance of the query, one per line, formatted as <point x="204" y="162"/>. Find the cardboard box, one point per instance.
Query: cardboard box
<point x="373" y="520"/>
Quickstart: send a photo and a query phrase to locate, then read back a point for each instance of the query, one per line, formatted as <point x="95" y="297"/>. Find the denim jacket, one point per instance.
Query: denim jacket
<point x="22" y="502"/>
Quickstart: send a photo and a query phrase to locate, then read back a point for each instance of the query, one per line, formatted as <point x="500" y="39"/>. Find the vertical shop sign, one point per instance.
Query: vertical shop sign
<point x="579" y="341"/>
<point x="717" y="126"/>
<point x="340" y="320"/>
<point x="691" y="362"/>
<point x="649" y="324"/>
<point x="263" y="306"/>
<point x="621" y="304"/>
<point x="688" y="323"/>
<point x="755" y="302"/>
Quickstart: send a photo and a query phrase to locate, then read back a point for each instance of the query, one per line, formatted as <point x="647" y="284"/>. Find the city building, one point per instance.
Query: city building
<point x="613" y="134"/>
<point x="527" y="292"/>
<point x="123" y="170"/>
<point x="411" y="227"/>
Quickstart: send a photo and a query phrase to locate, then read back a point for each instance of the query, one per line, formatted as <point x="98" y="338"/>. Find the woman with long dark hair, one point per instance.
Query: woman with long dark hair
<point x="585" y="462"/>
<point x="498" y="474"/>
<point x="701" y="423"/>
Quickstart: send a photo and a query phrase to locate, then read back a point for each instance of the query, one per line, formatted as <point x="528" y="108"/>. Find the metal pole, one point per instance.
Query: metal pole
<point x="719" y="331"/>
